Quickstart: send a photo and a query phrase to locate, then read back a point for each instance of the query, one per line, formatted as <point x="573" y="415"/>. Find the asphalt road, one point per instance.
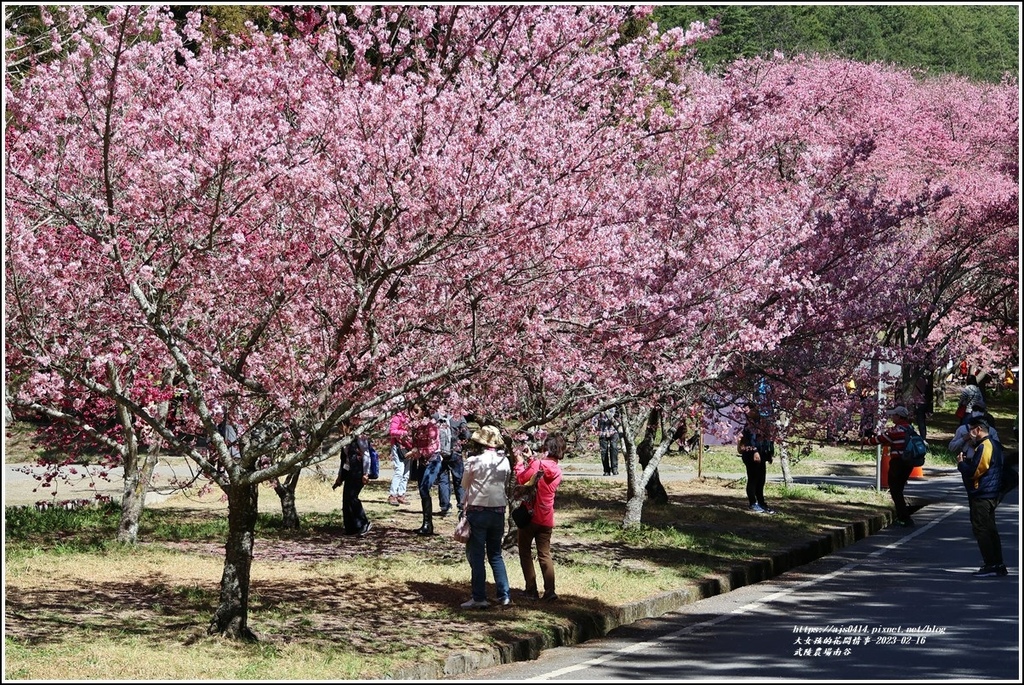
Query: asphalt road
<point x="899" y="605"/>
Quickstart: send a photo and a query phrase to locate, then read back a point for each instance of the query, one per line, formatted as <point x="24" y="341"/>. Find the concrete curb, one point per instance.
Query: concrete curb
<point x="594" y="625"/>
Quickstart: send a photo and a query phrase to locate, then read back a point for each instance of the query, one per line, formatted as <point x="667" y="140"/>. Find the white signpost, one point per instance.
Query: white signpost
<point x="888" y="375"/>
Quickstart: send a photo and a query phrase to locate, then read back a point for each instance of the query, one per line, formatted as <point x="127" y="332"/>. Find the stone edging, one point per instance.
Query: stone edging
<point x="598" y="625"/>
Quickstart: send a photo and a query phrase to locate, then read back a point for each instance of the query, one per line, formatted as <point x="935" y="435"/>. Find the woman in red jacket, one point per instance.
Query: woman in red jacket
<point x="546" y="472"/>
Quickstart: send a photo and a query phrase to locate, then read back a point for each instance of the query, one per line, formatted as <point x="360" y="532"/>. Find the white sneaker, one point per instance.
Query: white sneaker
<point x="476" y="604"/>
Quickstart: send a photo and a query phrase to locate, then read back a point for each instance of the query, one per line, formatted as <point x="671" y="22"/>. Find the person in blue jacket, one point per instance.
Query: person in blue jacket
<point x="981" y="467"/>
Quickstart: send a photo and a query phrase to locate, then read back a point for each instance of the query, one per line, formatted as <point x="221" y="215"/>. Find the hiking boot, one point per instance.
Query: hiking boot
<point x="986" y="572"/>
<point x="475" y="604"/>
<point x="428" y="525"/>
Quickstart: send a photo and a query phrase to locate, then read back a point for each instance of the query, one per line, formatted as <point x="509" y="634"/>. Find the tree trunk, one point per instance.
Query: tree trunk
<point x="232" y="616"/>
<point x="787" y="477"/>
<point x="782" y="431"/>
<point x="286" y="492"/>
<point x="636" y="493"/>
<point x="645" y="452"/>
<point x="700" y="447"/>
<point x="634" y="509"/>
<point x="138" y="473"/>
<point x="655" y="490"/>
<point x="643" y="481"/>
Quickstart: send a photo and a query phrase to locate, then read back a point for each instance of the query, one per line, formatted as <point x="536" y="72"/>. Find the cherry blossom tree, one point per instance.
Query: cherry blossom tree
<point x="528" y="211"/>
<point x="924" y="168"/>
<point x="781" y="249"/>
<point x="964" y="291"/>
<point x="298" y="230"/>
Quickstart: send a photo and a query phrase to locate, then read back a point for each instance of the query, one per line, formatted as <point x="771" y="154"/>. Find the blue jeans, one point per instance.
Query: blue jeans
<point x="431" y="470"/>
<point x="451" y="470"/>
<point x="400" y="480"/>
<point x="486" y="530"/>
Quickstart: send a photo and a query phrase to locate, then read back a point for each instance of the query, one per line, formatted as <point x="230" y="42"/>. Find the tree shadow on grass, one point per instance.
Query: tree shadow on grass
<point x="351" y="612"/>
<point x="148" y="608"/>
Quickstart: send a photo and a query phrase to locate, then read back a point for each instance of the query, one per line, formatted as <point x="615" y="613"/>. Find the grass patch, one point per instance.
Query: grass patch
<point x="28" y="523"/>
<point x="327" y="606"/>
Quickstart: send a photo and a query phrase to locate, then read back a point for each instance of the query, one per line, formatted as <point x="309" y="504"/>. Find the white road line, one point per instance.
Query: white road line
<point x="641" y="646"/>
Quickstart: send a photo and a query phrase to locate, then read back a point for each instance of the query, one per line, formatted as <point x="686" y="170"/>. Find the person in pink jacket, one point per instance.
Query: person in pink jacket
<point x="545" y="471"/>
<point x="427" y="451"/>
<point x="400" y="435"/>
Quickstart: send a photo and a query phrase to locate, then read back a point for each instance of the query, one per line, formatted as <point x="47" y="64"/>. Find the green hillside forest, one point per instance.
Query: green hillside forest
<point x="980" y="42"/>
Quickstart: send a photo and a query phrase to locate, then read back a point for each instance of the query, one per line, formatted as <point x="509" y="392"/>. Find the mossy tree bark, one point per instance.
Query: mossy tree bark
<point x="232" y="616"/>
<point x="285" y="489"/>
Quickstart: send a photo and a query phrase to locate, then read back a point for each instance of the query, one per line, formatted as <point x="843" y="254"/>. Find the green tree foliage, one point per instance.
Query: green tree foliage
<point x="230" y="19"/>
<point x="980" y="42"/>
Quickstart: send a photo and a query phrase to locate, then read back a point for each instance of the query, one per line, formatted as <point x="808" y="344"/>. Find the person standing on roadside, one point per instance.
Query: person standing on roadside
<point x="899" y="470"/>
<point x="608" y="439"/>
<point x="981" y="467"/>
<point x="757" y="449"/>
<point x="401" y="442"/>
<point x="353" y="474"/>
<point x="924" y="399"/>
<point x="484" y="479"/>
<point x="545" y="471"/>
<point x="427" y="450"/>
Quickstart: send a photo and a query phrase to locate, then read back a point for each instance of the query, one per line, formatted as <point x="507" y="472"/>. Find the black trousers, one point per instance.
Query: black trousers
<point x="899" y="474"/>
<point x="757" y="474"/>
<point x="352" y="513"/>
<point x="983" y="523"/>
<point x="609" y="453"/>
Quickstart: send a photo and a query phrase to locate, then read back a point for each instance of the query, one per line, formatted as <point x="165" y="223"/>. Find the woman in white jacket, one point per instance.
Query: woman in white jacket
<point x="484" y="479"/>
